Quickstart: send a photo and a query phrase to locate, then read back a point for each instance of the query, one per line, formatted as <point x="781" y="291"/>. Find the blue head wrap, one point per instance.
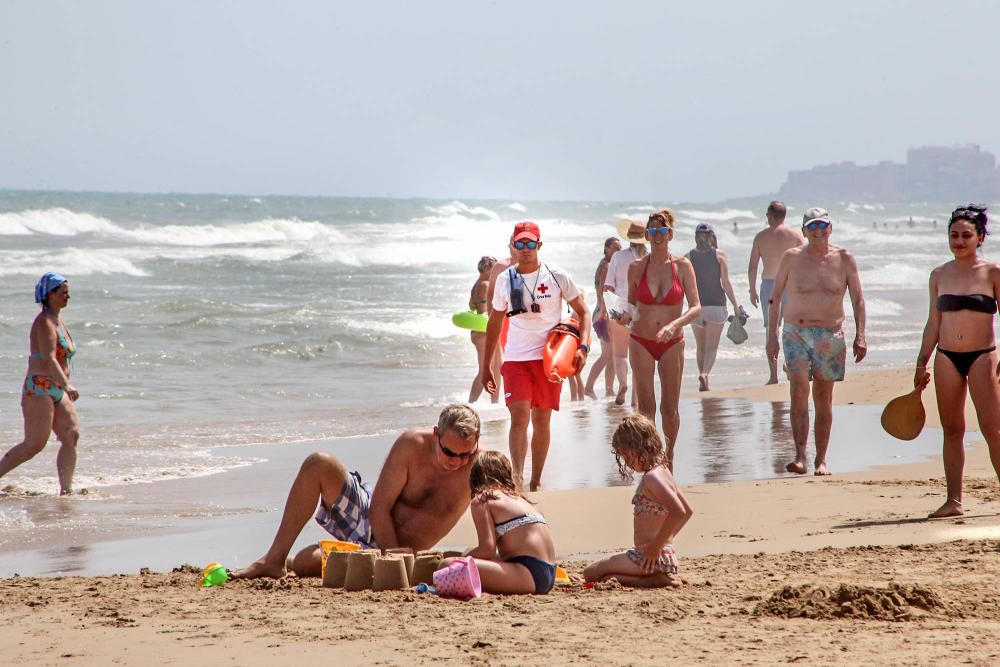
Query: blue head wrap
<point x="46" y="284"/>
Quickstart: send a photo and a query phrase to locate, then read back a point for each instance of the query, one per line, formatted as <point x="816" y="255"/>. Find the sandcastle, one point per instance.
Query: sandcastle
<point x="368" y="569"/>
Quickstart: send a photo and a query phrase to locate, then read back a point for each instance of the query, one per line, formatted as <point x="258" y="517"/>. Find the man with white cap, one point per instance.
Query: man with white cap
<point x="815" y="277"/>
<point x="616" y="282"/>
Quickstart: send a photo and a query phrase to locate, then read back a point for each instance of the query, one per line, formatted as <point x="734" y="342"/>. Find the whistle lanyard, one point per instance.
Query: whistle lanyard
<point x="538" y="276"/>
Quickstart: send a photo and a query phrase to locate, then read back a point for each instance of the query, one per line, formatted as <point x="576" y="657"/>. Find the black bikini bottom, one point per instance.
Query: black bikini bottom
<point x="543" y="573"/>
<point x="962" y="361"/>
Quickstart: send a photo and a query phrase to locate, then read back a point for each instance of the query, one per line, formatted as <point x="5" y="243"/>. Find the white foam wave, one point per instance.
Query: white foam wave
<point x="421" y="325"/>
<point x="719" y="216"/>
<point x="259" y="232"/>
<point x="882" y="308"/>
<point x="895" y="274"/>
<point x="460" y="208"/>
<point x="520" y="208"/>
<point x="54" y="222"/>
<point x="71" y="262"/>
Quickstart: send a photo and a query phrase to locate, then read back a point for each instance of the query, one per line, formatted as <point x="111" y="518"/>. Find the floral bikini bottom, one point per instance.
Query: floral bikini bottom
<point x="42" y="385"/>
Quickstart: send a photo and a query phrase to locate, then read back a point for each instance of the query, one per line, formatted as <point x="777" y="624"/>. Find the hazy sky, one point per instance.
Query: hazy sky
<point x="523" y="100"/>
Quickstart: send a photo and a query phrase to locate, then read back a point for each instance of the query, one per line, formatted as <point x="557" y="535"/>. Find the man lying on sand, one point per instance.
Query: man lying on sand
<point x="421" y="493"/>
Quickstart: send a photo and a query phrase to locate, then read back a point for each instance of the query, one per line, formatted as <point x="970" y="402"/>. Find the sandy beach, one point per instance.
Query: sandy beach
<point x="820" y="571"/>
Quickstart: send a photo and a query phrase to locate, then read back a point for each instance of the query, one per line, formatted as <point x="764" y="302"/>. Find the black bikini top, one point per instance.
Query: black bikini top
<point x="982" y="303"/>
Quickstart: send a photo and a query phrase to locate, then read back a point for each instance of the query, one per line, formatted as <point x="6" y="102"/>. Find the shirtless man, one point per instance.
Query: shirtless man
<point x="421" y="493"/>
<point x="815" y="277"/>
<point x="769" y="245"/>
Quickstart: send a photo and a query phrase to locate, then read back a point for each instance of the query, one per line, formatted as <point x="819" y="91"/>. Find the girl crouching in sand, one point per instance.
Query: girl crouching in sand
<point x="515" y="552"/>
<point x="660" y="510"/>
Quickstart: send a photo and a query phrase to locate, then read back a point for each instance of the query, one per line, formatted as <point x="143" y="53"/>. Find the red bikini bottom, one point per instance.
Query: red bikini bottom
<point x="655" y="347"/>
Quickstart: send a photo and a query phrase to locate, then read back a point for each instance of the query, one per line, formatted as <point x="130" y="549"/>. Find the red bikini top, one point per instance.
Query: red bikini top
<point x="673" y="297"/>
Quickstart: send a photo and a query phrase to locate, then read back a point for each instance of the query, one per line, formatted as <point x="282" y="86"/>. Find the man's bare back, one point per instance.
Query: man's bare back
<point x="771" y="243"/>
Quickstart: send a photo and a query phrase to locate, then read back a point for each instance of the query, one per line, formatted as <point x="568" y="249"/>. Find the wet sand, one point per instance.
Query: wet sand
<point x="785" y="569"/>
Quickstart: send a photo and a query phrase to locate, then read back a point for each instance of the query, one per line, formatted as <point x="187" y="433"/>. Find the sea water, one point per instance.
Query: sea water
<point x="206" y="324"/>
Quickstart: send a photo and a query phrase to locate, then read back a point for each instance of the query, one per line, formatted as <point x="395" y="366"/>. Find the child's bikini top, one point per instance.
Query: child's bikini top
<point x="643" y="504"/>
<point x="65" y="349"/>
<point x="517" y="522"/>
<point x="981" y="303"/>
<point x="673" y="297"/>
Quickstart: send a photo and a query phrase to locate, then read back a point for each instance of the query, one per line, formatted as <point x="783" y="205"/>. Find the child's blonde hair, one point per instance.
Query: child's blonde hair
<point x="638" y="434"/>
<point x="492" y="472"/>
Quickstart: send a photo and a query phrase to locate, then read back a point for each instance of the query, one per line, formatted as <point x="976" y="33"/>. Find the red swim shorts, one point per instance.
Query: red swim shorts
<point x="525" y="381"/>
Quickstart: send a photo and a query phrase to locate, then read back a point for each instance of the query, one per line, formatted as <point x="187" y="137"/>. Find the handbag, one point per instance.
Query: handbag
<point x="737" y="332"/>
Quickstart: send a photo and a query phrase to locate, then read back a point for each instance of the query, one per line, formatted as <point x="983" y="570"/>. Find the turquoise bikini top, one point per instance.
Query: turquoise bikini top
<point x="65" y="349"/>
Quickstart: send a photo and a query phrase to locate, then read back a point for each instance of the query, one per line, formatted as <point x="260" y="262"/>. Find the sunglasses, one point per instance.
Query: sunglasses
<point x="653" y="231"/>
<point x="521" y="245"/>
<point x="455" y="455"/>
<point x="818" y="224"/>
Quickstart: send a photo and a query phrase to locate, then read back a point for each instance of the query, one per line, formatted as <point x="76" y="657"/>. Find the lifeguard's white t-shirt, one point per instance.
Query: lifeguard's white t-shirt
<point x="527" y="332"/>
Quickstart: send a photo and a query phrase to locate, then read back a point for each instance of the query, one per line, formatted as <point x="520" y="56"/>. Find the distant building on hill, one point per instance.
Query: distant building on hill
<point x="931" y="173"/>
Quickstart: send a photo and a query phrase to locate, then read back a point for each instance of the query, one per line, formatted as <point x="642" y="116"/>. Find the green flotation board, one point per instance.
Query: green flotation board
<point x="467" y="319"/>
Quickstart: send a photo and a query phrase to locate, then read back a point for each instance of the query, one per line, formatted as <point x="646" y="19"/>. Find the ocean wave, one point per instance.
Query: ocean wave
<point x="457" y="208"/>
<point x="719" y="216"/>
<point x="53" y="222"/>
<point x="279" y="230"/>
<point x="515" y="206"/>
<point x="895" y="274"/>
<point x="71" y="262"/>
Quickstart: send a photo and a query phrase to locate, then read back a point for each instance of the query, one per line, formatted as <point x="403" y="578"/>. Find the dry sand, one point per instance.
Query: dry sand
<point x="805" y="570"/>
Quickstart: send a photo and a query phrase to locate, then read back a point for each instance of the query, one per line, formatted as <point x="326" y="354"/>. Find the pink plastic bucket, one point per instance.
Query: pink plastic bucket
<point x="459" y="580"/>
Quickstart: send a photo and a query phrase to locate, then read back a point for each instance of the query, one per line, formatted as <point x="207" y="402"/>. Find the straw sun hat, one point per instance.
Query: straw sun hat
<point x="632" y="231"/>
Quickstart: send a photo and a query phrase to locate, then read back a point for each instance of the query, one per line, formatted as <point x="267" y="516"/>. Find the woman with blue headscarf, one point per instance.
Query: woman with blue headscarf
<point x="47" y="397"/>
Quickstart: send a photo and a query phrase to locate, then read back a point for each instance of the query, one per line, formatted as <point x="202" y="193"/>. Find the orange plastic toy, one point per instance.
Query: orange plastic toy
<point x="560" y="351"/>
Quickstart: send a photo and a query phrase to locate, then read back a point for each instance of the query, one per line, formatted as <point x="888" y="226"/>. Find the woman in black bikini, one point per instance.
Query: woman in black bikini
<point x="963" y="302"/>
<point x="658" y="285"/>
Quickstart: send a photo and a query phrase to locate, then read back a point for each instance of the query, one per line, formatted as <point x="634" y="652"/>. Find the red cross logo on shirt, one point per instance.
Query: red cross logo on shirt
<point x="542" y="289"/>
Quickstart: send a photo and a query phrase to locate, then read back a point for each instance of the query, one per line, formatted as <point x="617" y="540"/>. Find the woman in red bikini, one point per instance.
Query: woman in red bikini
<point x="963" y="305"/>
<point x="657" y="287"/>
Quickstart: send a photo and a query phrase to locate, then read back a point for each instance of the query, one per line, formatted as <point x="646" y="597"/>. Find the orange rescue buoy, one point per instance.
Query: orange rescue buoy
<point x="560" y="351"/>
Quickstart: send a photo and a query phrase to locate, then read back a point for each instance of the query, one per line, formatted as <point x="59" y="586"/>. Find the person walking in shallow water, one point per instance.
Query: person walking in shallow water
<point x="815" y="278"/>
<point x="47" y="397"/>
<point x="658" y="286"/>
<point x="711" y="268"/>
<point x="963" y="303"/>
<point x="477" y="304"/>
<point x="604" y="363"/>
<point x="768" y="247"/>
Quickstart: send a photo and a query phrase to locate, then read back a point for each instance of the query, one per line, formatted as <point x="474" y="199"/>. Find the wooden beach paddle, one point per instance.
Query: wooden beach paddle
<point x="904" y="416"/>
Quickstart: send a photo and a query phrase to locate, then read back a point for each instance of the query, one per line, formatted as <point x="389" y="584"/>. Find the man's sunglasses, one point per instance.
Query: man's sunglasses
<point x="455" y="455"/>
<point x="521" y="245"/>
<point x="653" y="231"/>
<point x="818" y="224"/>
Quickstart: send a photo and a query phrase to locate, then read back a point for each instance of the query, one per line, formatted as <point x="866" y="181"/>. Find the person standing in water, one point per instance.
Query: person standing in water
<point x="530" y="296"/>
<point x="601" y="327"/>
<point x="47" y="398"/>
<point x="477" y="304"/>
<point x="658" y="286"/>
<point x="815" y="277"/>
<point x="616" y="282"/>
<point x="711" y="268"/>
<point x="768" y="246"/>
<point x="963" y="304"/>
